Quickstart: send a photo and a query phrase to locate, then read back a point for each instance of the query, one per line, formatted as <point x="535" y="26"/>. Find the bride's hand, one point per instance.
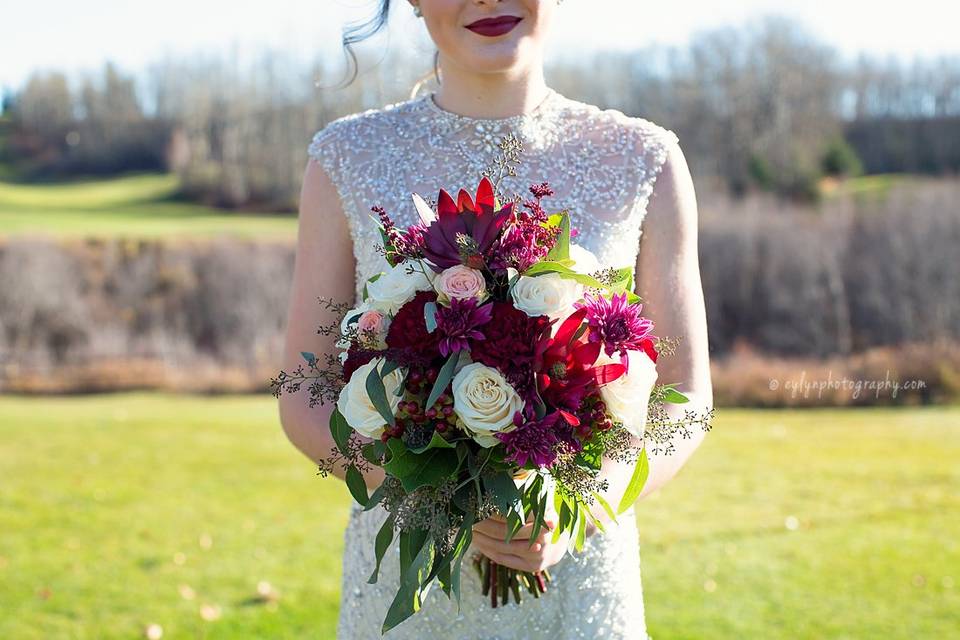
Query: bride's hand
<point x="489" y="535"/>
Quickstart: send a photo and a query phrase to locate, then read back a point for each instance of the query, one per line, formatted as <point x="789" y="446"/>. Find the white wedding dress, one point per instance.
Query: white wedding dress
<point x="602" y="165"/>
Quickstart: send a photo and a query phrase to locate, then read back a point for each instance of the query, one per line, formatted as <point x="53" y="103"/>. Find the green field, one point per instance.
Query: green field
<point x="126" y="510"/>
<point x="138" y="205"/>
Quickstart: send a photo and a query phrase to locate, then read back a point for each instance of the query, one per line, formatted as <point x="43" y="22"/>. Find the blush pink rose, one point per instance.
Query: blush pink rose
<point x="460" y="281"/>
<point x="372" y="321"/>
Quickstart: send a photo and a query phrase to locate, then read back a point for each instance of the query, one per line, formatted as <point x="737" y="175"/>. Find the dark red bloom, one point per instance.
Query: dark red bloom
<point x="408" y="330"/>
<point x="465" y="229"/>
<point x="356" y="358"/>
<point x="510" y="345"/>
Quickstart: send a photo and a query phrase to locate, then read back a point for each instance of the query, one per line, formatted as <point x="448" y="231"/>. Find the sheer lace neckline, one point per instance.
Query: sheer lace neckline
<point x="429" y="99"/>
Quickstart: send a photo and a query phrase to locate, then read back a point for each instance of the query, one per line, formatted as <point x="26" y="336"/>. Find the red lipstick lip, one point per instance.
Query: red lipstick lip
<point x="493" y="27"/>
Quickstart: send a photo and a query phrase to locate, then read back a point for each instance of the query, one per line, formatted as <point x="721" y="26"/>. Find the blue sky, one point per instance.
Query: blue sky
<point x="73" y="36"/>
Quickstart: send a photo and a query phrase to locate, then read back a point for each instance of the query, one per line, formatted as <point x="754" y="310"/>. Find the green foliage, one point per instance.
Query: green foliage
<point x="761" y="172"/>
<point x="378" y="394"/>
<point x="443" y="379"/>
<point x="549" y="266"/>
<point x="637" y="479"/>
<point x="841" y="159"/>
<point x="418" y="469"/>
<point x="340" y="430"/>
<point x="561" y="250"/>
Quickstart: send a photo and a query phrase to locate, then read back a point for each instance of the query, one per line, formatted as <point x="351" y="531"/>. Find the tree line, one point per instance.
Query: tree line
<point x="763" y="106"/>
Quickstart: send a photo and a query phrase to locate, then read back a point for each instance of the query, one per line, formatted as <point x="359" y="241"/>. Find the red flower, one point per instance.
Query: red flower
<point x="464" y="231"/>
<point x="568" y="373"/>
<point x="510" y="344"/>
<point x="356" y="358"/>
<point x="408" y="330"/>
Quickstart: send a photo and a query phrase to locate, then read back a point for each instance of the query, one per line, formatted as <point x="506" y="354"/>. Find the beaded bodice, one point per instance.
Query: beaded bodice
<point x="601" y="164"/>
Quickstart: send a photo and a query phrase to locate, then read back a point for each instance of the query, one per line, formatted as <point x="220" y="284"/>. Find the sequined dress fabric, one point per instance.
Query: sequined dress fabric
<point x="602" y="165"/>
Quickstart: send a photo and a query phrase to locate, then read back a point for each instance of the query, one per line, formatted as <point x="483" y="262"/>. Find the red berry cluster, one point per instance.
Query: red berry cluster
<point x="440" y="416"/>
<point x="593" y="416"/>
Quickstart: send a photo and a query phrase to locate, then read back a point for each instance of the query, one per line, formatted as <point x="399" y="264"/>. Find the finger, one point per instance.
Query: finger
<point x="506" y="559"/>
<point x="498" y="529"/>
<point x="516" y="547"/>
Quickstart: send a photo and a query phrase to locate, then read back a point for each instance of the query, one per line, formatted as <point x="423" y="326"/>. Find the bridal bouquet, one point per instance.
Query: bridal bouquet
<point x="489" y="370"/>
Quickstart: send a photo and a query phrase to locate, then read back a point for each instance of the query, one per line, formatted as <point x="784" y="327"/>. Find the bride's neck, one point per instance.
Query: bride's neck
<point x="490" y="95"/>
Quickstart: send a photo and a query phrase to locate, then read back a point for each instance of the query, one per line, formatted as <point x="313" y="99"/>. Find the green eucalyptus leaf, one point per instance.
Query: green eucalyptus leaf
<point x="383" y="540"/>
<point x="356" y="485"/>
<point x="340" y="431"/>
<point x="388" y="367"/>
<point x="564" y="272"/>
<point x="430" y="316"/>
<point x="378" y="396"/>
<point x="639" y="477"/>
<point x="673" y="396"/>
<point x="606" y="505"/>
<point x="375" y="498"/>
<point x="581" y="518"/>
<point x="503" y="491"/>
<point x="436" y="442"/>
<point x="408" y="599"/>
<point x="443" y="379"/>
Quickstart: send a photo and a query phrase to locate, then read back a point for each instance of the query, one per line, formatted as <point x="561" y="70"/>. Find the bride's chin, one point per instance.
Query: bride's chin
<point x="494" y="61"/>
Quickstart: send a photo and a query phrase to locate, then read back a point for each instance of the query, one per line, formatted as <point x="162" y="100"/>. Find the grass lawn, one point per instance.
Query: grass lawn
<point x="120" y="511"/>
<point x="136" y="205"/>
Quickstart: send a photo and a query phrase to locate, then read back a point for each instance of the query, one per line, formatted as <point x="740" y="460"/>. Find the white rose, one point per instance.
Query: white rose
<point x="546" y="295"/>
<point x="355" y="404"/>
<point x="485" y="402"/>
<point x="627" y="398"/>
<point x="583" y="260"/>
<point x="397" y="286"/>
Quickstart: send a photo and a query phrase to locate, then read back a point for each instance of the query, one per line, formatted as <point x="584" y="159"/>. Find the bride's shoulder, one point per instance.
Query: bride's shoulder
<point x="613" y="124"/>
<point x="361" y="126"/>
<point x="640" y="143"/>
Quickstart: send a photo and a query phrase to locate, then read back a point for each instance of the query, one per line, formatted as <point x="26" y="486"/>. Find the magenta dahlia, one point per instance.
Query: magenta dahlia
<point x="532" y="441"/>
<point x="617" y="324"/>
<point x="458" y="324"/>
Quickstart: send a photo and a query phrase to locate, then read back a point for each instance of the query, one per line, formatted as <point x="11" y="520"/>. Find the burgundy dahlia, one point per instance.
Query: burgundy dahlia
<point x="510" y="344"/>
<point x="408" y="330"/>
<point x="617" y="324"/>
<point x="465" y="229"/>
<point x="356" y="358"/>
<point x="458" y="324"/>
<point x="532" y="441"/>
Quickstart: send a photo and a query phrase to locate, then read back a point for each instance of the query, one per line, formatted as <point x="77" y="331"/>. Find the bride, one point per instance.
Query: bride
<point x="618" y="176"/>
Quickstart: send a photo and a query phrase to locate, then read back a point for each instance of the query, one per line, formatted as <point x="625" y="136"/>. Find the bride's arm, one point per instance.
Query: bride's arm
<point x="668" y="281"/>
<point x="324" y="267"/>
